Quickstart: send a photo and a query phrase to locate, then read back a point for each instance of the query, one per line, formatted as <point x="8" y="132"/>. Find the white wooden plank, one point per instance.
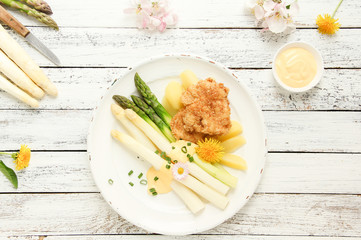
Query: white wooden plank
<point x="284" y="173"/>
<point x="314" y="131"/>
<point x="81" y="88"/>
<point x="190" y="237"/>
<point x="45" y="130"/>
<point x="337" y="90"/>
<point x="311" y="173"/>
<point x="192" y="14"/>
<point x="268" y="214"/>
<point x="53" y="172"/>
<point x="237" y="48"/>
<point x="287" y="131"/>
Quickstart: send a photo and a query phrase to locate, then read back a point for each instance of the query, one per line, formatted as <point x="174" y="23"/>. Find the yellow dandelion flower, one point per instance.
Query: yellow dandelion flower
<point x="210" y="150"/>
<point x="327" y="24"/>
<point x="22" y="158"/>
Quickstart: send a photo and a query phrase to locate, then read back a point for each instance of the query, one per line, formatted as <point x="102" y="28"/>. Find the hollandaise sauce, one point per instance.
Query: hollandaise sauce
<point x="296" y="67"/>
<point x="159" y="180"/>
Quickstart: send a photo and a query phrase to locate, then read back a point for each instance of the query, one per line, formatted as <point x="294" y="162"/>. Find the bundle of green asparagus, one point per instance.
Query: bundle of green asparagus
<point x="38" y="9"/>
<point x="148" y="108"/>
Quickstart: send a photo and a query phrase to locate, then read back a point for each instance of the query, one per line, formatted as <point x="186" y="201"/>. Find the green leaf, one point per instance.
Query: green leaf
<point x="9" y="174"/>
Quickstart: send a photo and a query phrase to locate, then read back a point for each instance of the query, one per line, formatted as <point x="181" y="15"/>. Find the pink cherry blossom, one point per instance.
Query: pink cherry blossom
<point x="274" y="15"/>
<point x="153" y="14"/>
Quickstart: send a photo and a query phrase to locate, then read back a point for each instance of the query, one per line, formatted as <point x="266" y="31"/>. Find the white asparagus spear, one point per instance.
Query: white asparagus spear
<point x="206" y="192"/>
<point x="203" y="176"/>
<point x="137" y="134"/>
<point x="13" y="90"/>
<point x="24" y="61"/>
<point x="190" y="199"/>
<point x="17" y="76"/>
<point x="198" y="187"/>
<point x="159" y="140"/>
<point x="165" y="146"/>
<point x="150" y="156"/>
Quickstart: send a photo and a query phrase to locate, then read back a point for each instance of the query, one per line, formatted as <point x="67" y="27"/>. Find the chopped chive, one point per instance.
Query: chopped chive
<point x="140" y="175"/>
<point x="131" y="184"/>
<point x="143" y="182"/>
<point x="188" y="155"/>
<point x="191" y="159"/>
<point x="175" y="161"/>
<point x="110" y="181"/>
<point x="167" y="159"/>
<point x="163" y="155"/>
<point x="188" y="144"/>
<point x="156" y="151"/>
<point x="173" y="147"/>
<point x="167" y="166"/>
<point x="152" y="190"/>
<point x="154" y="193"/>
<point x="130" y="172"/>
<point x="184" y="149"/>
<point x="156" y="178"/>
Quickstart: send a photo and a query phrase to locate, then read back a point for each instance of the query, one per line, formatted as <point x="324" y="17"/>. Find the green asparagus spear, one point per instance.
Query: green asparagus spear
<point x="39" y="5"/>
<point x="154" y="117"/>
<point x="126" y="103"/>
<point x="151" y="99"/>
<point x="42" y="17"/>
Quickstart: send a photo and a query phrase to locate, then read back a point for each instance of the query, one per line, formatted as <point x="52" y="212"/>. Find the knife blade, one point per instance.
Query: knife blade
<point x="12" y="22"/>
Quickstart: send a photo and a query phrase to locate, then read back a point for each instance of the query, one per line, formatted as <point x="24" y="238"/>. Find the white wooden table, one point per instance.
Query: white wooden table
<point x="312" y="181"/>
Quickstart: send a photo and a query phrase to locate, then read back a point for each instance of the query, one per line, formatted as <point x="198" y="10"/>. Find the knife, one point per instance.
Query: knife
<point x="12" y="22"/>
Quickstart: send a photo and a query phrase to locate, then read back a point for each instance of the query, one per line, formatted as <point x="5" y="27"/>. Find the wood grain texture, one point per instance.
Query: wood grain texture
<point x="53" y="172"/>
<point x="161" y="237"/>
<point x="287" y="131"/>
<point x="280" y="214"/>
<point x="236" y="48"/>
<point x="284" y="173"/>
<point x="81" y="88"/>
<point x="301" y="196"/>
<point x="311" y="173"/>
<point x="192" y="14"/>
<point x="12" y="22"/>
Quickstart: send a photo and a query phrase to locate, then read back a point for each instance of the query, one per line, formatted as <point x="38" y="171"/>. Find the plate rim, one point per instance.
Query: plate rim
<point x="235" y="78"/>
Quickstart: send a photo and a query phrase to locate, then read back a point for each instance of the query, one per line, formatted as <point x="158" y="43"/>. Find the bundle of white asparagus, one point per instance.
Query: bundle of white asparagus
<point x="197" y="183"/>
<point x="20" y="76"/>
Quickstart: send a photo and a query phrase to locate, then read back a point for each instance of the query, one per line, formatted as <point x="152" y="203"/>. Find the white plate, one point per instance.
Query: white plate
<point x="165" y="213"/>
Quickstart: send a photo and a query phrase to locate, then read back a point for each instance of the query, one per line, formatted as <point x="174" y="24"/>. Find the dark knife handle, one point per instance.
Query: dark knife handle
<point x="12" y="22"/>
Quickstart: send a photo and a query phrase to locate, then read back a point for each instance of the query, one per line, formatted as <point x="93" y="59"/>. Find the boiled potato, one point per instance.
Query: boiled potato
<point x="235" y="130"/>
<point x="173" y="93"/>
<point x="188" y="78"/>
<point x="168" y="107"/>
<point x="233" y="144"/>
<point x="234" y="161"/>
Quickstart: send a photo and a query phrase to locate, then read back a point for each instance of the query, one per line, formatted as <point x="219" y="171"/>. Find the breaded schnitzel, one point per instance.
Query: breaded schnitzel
<point x="206" y="112"/>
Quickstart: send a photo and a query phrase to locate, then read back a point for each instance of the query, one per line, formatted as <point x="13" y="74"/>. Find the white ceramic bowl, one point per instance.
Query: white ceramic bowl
<point x="318" y="59"/>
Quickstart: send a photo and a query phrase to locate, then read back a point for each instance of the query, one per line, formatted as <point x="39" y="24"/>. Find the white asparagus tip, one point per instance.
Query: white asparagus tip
<point x="52" y="90"/>
<point x="117" y="110"/>
<point x="116" y="134"/>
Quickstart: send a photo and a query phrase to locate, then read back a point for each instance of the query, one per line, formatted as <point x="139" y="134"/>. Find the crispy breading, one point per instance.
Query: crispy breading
<point x="179" y="132"/>
<point x="206" y="111"/>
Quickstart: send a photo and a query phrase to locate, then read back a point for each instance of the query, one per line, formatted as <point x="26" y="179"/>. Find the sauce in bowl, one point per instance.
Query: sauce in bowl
<point x="296" y="67"/>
